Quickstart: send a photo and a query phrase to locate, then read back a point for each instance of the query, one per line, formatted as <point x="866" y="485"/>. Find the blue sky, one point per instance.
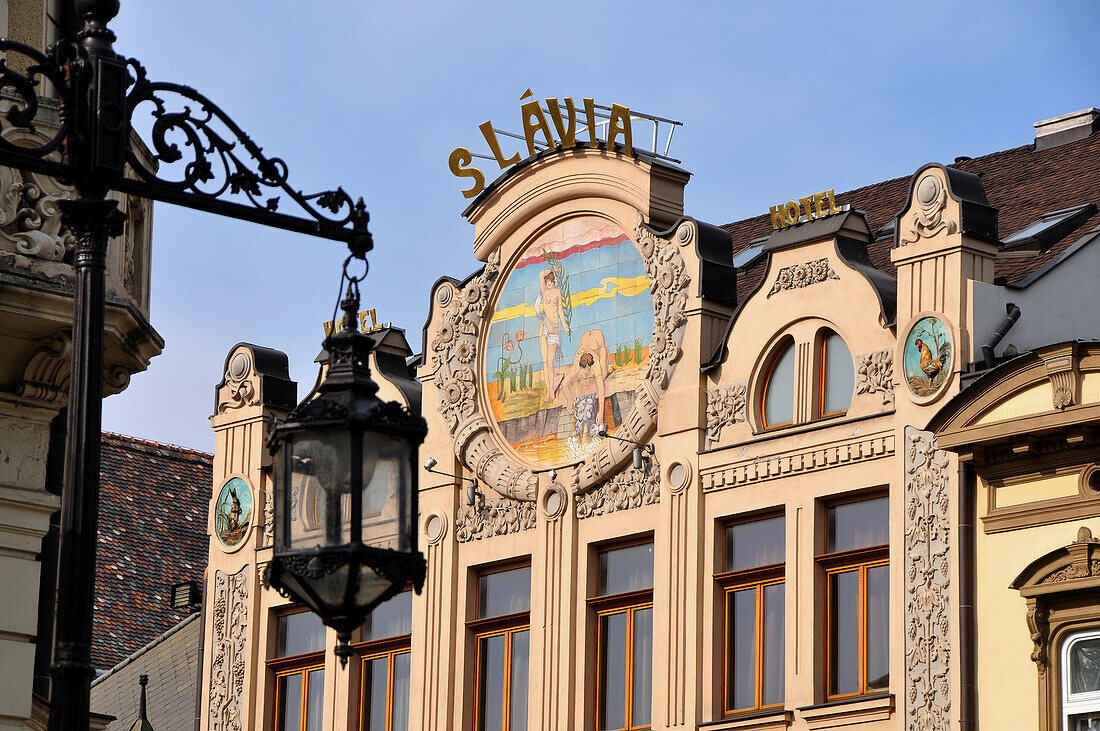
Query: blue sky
<point x="778" y="100"/>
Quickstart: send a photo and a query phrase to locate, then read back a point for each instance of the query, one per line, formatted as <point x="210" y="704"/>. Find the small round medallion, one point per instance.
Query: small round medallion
<point x="554" y="501"/>
<point x="233" y="512"/>
<point x="435" y="528"/>
<point x="928" y="358"/>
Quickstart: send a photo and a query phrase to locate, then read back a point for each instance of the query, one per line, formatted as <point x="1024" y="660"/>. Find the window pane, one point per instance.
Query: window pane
<point x="299" y="633"/>
<point x="1084" y="662"/>
<point x="838" y="375"/>
<point x="858" y="525"/>
<point x="612" y="689"/>
<point x="316" y="702"/>
<point x="290" y="703"/>
<point x="779" y="391"/>
<point x="504" y="592"/>
<point x="878" y="628"/>
<point x="389" y="619"/>
<point x="375" y="680"/>
<point x="758" y="543"/>
<point x="518" y="705"/>
<point x="626" y="569"/>
<point x="643" y="667"/>
<point x="490" y="693"/>
<point x="773" y="646"/>
<point x="741" y="653"/>
<point x="844" y="633"/>
<point x="401" y="668"/>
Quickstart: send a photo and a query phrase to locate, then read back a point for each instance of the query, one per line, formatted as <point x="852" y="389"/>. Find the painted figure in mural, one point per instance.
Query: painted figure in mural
<point x="585" y="383"/>
<point x="549" y="310"/>
<point x="927" y="360"/>
<point x="235" y="511"/>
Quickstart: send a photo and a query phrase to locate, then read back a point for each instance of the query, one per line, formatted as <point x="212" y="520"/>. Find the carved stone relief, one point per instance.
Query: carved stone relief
<point x="240" y="390"/>
<point x="454" y="355"/>
<point x="927" y="578"/>
<point x="927" y="218"/>
<point x="631" y="488"/>
<point x="46" y="373"/>
<point x="725" y="406"/>
<point x="875" y="374"/>
<point x="493" y="518"/>
<point x="1064" y="377"/>
<point x="227" y="666"/>
<point x="803" y="275"/>
<point x="30" y="218"/>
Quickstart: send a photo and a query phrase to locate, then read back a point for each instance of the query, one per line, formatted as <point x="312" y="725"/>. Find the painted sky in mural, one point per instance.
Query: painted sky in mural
<point x="569" y="340"/>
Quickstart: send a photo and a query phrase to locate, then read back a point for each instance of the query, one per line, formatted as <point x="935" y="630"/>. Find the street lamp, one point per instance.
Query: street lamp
<point x="201" y="159"/>
<point x="345" y="490"/>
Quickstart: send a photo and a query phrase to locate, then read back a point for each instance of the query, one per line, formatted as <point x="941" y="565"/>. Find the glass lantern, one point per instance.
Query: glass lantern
<point x="345" y="492"/>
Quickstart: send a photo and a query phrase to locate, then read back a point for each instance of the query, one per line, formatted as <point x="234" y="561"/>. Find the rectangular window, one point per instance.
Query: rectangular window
<point x="501" y="630"/>
<point x="299" y="667"/>
<point x="624" y="638"/>
<point x="383" y="647"/>
<point x="752" y="582"/>
<point x="857" y="591"/>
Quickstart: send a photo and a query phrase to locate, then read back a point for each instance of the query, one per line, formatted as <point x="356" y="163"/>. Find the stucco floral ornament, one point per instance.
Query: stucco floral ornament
<point x="927" y="217"/>
<point x="493" y="518"/>
<point x="725" y="406"/>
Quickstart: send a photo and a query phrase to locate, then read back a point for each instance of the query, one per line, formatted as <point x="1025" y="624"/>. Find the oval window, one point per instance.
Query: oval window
<point x="779" y="390"/>
<point x="837" y="376"/>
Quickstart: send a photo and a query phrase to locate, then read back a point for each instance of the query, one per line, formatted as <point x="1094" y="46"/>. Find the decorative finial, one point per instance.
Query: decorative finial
<point x="143" y="680"/>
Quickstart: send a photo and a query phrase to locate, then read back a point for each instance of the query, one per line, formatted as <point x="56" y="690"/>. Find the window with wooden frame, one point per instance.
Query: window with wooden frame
<point x="836" y="376"/>
<point x="752" y="629"/>
<point x="777" y="402"/>
<point x="299" y="669"/>
<point x="383" y="646"/>
<point x="856" y="563"/>
<point x="501" y="631"/>
<point x="624" y="637"/>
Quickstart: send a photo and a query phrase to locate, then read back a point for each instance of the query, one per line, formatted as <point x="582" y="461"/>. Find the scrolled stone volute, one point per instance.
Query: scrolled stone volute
<point x="944" y="201"/>
<point x="255" y="376"/>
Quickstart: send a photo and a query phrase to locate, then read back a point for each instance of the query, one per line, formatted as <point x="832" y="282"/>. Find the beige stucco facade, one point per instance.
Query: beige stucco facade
<point x="700" y="403"/>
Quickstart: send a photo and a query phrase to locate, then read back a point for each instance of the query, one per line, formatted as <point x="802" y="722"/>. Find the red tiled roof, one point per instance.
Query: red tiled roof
<point x="1021" y="183"/>
<point x="153" y="506"/>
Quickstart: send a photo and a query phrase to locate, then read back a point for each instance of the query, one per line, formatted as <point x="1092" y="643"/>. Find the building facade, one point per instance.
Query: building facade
<point x="768" y="475"/>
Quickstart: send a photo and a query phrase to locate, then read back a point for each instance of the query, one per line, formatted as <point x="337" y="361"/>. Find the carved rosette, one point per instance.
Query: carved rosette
<point x="493" y="518"/>
<point x="631" y="488"/>
<point x="875" y="374"/>
<point x="927" y="217"/>
<point x="454" y="356"/>
<point x="803" y="275"/>
<point x="240" y="390"/>
<point x="725" y="407"/>
<point x="927" y="577"/>
<point x="227" y="666"/>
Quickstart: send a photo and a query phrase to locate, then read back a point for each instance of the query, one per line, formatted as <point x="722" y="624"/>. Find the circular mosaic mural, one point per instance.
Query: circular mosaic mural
<point x="927" y="358"/>
<point x="233" y="512"/>
<point x="568" y="341"/>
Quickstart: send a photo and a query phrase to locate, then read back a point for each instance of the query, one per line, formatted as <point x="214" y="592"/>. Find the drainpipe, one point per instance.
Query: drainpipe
<point x="967" y="512"/>
<point x="1002" y="330"/>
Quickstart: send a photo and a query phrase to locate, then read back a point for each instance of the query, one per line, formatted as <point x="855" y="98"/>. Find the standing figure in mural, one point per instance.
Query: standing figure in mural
<point x="585" y="383"/>
<point x="235" y="511"/>
<point x="549" y="310"/>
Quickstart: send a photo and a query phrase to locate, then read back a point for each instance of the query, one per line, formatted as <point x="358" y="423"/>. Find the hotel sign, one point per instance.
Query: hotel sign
<point x="364" y="326"/>
<point x="547" y="126"/>
<point x="810" y="208"/>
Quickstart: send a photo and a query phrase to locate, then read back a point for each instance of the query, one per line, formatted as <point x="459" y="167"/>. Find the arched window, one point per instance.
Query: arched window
<point x="1081" y="681"/>
<point x="837" y="377"/>
<point x="778" y="401"/>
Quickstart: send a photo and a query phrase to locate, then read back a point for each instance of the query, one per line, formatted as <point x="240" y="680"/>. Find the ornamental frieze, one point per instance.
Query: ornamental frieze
<point x="798" y="276"/>
<point x="227" y="666"/>
<point x="585" y="328"/>
<point x="875" y="374"/>
<point x="631" y="488"/>
<point x="725" y="407"/>
<point x="927" y="583"/>
<point x="491" y="518"/>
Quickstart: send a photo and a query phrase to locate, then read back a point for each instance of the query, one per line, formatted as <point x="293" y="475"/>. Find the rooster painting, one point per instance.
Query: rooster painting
<point x="928" y="357"/>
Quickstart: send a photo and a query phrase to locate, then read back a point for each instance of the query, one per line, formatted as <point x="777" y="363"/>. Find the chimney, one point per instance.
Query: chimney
<point x="1066" y="128"/>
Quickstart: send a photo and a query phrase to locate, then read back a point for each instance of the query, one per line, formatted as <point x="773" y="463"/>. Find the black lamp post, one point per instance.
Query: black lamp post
<point x="345" y="491"/>
<point x="202" y="160"/>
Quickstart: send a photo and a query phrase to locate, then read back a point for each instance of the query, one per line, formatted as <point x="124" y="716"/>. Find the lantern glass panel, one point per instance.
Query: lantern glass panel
<point x="320" y="478"/>
<point x="387" y="483"/>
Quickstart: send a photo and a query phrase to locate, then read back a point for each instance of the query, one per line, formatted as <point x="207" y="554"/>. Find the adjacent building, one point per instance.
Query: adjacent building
<point x="832" y="466"/>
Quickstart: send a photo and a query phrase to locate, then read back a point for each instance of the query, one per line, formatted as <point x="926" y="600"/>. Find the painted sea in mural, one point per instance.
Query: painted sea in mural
<point x="569" y="340"/>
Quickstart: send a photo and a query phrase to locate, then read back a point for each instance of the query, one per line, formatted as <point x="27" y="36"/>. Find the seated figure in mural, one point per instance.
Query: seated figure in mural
<point x="585" y="383"/>
<point x="549" y="310"/>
